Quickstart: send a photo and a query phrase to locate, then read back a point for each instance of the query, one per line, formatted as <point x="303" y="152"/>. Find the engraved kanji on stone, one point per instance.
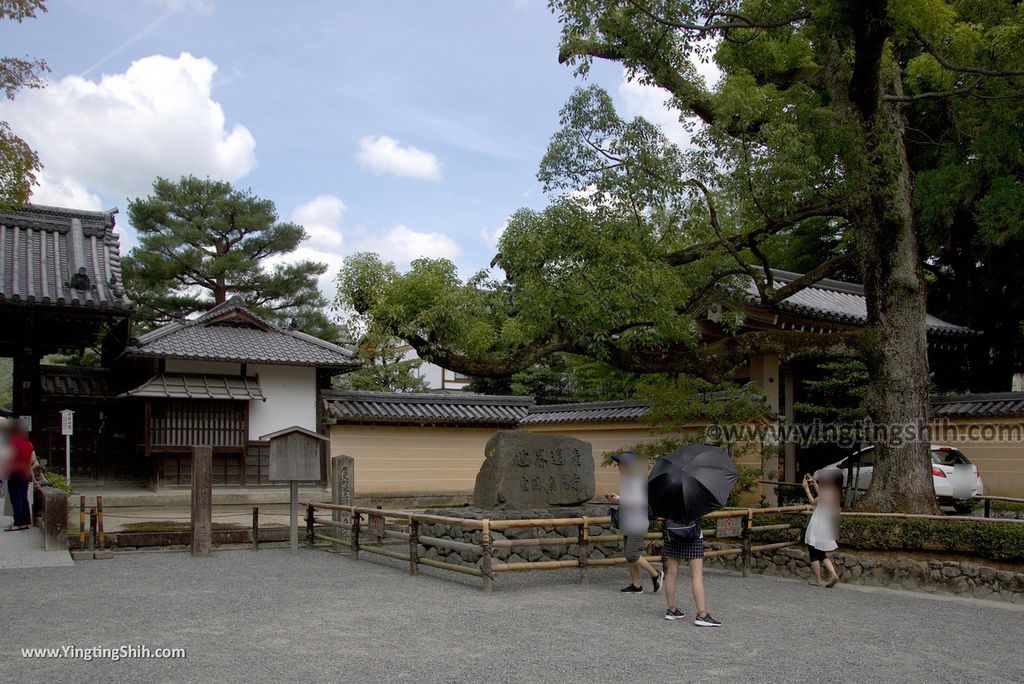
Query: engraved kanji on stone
<point x="522" y="458"/>
<point x="557" y="457"/>
<point x="542" y="459"/>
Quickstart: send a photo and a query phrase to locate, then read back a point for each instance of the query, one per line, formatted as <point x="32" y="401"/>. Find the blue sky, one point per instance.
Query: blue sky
<point x="407" y="128"/>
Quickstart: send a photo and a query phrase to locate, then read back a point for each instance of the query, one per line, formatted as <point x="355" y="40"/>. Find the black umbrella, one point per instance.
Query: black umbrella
<point x="690" y="482"/>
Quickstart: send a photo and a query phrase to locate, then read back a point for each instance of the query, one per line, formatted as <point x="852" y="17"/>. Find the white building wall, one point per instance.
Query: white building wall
<point x="437" y="378"/>
<point x="291" y="399"/>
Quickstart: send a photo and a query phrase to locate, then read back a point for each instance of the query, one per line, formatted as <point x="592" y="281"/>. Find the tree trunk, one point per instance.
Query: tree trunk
<point x="897" y="351"/>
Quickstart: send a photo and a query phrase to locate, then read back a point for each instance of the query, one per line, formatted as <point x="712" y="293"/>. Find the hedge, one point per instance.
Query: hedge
<point x="992" y="540"/>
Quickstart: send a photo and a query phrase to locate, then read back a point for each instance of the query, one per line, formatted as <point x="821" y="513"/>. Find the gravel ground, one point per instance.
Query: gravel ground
<point x="315" y="616"/>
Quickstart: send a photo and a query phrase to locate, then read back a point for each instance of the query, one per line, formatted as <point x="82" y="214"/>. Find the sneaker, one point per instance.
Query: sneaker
<point x="657" y="580"/>
<point x="633" y="589"/>
<point x="706" y="620"/>
<point x="674" y="614"/>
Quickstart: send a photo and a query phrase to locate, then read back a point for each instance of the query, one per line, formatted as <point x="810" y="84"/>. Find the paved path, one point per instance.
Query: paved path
<point x="25" y="549"/>
<point x="313" y="616"/>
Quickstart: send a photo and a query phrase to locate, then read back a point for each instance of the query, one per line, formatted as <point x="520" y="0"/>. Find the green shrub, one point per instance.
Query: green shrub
<point x="991" y="540"/>
<point x="57" y="481"/>
<point x="996" y="541"/>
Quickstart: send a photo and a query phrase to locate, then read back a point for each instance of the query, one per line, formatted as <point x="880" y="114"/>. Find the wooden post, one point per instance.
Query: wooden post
<point x="202" y="500"/>
<point x="748" y="522"/>
<point x="293" y="515"/>
<point x="101" y="538"/>
<point x="81" y="522"/>
<point x="255" y="528"/>
<point x="355" y="535"/>
<point x="414" y="546"/>
<point x="488" y="561"/>
<point x="311" y="525"/>
<point x="988" y="508"/>
<point x="92" y="529"/>
<point x="584" y="550"/>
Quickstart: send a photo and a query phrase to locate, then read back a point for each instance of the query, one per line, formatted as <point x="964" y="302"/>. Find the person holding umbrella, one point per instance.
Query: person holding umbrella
<point x="633" y="519"/>
<point x="684" y="485"/>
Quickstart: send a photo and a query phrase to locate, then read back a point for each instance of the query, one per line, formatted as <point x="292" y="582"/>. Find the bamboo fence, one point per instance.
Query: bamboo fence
<point x="369" y="532"/>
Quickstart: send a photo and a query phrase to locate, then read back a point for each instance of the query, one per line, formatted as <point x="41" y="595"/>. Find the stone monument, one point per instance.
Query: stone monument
<point x="524" y="470"/>
<point x="343" y="494"/>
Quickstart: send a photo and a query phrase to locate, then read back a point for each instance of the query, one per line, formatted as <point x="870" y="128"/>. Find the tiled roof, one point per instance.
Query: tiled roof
<point x="591" y="412"/>
<point x="60" y="257"/>
<point x="399" y="408"/>
<point x="195" y="386"/>
<point x="998" y="404"/>
<point x="230" y="332"/>
<point x="835" y="300"/>
<point x="65" y="382"/>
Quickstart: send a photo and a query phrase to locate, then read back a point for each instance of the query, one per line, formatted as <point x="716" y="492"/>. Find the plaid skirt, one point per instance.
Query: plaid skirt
<point x="692" y="549"/>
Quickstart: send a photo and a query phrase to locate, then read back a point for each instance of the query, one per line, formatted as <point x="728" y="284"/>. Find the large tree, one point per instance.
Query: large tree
<point x="202" y="241"/>
<point x="19" y="163"/>
<point x="805" y="132"/>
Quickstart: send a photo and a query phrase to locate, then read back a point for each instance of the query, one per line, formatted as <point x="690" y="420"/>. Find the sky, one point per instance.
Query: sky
<point x="405" y="128"/>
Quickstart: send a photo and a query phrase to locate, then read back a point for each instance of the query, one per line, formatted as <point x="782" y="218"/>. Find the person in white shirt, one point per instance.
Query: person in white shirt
<point x="633" y="519"/>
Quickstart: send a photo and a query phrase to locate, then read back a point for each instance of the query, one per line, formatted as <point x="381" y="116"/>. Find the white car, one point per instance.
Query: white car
<point x="956" y="479"/>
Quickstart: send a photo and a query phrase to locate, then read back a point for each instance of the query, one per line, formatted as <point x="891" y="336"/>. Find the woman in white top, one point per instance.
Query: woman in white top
<point x="823" y="529"/>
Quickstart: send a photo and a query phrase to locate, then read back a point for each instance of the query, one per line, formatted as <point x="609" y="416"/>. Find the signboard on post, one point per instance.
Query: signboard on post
<point x="67" y="422"/>
<point x="728" y="527"/>
<point x="67" y="428"/>
<point x="294" y="457"/>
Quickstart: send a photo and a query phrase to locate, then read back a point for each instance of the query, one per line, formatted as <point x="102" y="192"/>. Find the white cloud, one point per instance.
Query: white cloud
<point x="330" y="242"/>
<point x="321" y="216"/>
<point x="115" y="135"/>
<point x="61" y="191"/>
<point x="383" y="154"/>
<point x="492" y="235"/>
<point x="650" y="103"/>
<point x="402" y="245"/>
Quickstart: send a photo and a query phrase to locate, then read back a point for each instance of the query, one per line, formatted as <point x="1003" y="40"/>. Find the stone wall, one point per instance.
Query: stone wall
<point x="519" y="555"/>
<point x="933" y="576"/>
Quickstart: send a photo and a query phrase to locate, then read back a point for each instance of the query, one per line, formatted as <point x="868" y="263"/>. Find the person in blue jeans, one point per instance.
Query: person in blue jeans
<point x="633" y="519"/>
<point x="19" y="474"/>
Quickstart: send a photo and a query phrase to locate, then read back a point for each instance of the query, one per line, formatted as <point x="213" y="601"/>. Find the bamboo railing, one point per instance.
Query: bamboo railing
<point x="373" y="522"/>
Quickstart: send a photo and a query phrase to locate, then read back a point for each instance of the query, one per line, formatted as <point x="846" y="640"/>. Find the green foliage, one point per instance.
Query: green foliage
<point x="6" y="382"/>
<point x="997" y="541"/>
<point x="992" y="540"/>
<point x="57" y="481"/>
<point x="203" y="241"/>
<point x="384" y="367"/>
<point x="19" y="163"/>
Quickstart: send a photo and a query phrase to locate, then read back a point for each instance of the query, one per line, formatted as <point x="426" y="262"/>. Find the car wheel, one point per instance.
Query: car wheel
<point x="963" y="507"/>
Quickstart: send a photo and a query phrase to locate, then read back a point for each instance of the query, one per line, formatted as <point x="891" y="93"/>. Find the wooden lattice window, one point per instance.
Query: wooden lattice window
<point x="188" y="423"/>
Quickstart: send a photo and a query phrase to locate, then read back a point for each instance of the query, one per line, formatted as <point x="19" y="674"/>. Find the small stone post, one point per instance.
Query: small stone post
<point x="202" y="500"/>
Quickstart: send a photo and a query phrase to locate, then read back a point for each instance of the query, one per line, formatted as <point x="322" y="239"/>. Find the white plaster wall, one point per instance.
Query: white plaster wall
<point x="291" y="399"/>
<point x="207" y="367"/>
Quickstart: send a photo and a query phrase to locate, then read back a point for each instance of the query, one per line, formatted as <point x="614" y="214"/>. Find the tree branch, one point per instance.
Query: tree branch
<point x="949" y="65"/>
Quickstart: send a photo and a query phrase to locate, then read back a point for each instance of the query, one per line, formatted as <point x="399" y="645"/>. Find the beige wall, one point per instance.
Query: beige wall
<point x="996" y="446"/>
<point x="405" y="461"/>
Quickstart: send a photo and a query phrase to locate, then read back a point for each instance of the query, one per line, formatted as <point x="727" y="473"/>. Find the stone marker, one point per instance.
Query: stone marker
<point x="343" y="471"/>
<point x="525" y="470"/>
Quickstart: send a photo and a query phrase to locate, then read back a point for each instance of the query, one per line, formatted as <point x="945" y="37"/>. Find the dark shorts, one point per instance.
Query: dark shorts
<point x="816" y="554"/>
<point x="632" y="545"/>
<point x="691" y="549"/>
